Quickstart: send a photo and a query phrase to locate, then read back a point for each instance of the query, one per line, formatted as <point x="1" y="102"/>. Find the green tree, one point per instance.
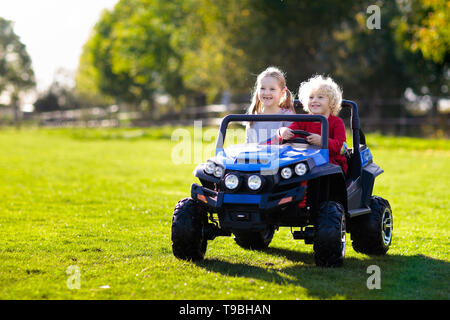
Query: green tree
<point x="87" y="80"/>
<point x="199" y="48"/>
<point x="16" y="72"/>
<point x="240" y="38"/>
<point x="133" y="52"/>
<point x="423" y="26"/>
<point x="422" y="35"/>
<point x="212" y="59"/>
<point x="203" y="47"/>
<point x="375" y="67"/>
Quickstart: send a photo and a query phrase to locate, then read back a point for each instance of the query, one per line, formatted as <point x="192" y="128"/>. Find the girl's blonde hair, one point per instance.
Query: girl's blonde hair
<point x="285" y="103"/>
<point x="325" y="85"/>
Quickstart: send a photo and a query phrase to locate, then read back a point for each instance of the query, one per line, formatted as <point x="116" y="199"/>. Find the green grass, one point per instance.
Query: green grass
<point x="102" y="200"/>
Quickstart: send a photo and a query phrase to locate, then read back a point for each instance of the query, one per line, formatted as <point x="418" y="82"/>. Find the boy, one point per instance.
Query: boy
<point x="322" y="96"/>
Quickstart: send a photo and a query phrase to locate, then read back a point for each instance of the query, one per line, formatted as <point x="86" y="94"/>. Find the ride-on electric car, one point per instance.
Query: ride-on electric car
<point x="251" y="190"/>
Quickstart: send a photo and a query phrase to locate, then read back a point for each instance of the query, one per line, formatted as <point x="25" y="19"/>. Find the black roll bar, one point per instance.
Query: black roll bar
<point x="272" y="117"/>
<point x="354" y="122"/>
<point x="356" y="131"/>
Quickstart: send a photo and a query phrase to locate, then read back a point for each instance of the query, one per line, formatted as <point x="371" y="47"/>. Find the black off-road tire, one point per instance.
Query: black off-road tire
<point x="329" y="235"/>
<point x="188" y="242"/>
<point x="372" y="233"/>
<point x="254" y="240"/>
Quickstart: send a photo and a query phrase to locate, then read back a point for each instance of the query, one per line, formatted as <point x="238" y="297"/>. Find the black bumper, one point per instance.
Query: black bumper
<point x="217" y="201"/>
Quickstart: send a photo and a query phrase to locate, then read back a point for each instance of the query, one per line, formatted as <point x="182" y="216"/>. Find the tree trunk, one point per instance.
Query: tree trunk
<point x="17" y="112"/>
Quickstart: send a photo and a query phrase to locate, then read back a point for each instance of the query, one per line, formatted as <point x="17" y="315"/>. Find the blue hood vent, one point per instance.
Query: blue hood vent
<point x="253" y="157"/>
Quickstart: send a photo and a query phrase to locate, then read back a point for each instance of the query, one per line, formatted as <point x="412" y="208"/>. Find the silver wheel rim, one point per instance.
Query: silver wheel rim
<point x="386" y="226"/>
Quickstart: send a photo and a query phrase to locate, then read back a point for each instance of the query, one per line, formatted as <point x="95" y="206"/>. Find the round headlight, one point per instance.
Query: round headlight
<point x="286" y="173"/>
<point x="254" y="182"/>
<point x="301" y="169"/>
<point x="218" y="171"/>
<point x="209" y="167"/>
<point x="231" y="181"/>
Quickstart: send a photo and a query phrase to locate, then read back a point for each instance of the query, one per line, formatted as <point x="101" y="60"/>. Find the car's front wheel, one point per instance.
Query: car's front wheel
<point x="188" y="241"/>
<point x="329" y="235"/>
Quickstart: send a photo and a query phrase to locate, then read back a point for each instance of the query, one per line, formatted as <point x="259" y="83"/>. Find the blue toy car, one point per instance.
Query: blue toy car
<point x="251" y="190"/>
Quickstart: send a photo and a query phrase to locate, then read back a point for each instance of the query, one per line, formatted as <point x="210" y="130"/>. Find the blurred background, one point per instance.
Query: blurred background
<point x="143" y="63"/>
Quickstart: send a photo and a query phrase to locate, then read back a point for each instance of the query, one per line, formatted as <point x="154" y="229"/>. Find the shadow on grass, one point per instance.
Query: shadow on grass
<point x="402" y="277"/>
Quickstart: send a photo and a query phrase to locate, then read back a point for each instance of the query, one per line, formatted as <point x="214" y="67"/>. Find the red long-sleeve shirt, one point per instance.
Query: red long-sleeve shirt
<point x="336" y="138"/>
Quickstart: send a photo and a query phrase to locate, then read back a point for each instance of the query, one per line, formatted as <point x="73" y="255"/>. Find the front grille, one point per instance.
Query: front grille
<point x="251" y="161"/>
<point x="285" y="187"/>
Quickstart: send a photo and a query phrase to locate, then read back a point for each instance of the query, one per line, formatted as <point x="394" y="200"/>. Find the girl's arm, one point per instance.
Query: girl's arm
<point x="249" y="134"/>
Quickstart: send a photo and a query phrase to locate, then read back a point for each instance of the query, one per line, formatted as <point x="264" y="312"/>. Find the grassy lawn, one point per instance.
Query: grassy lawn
<point x="102" y="201"/>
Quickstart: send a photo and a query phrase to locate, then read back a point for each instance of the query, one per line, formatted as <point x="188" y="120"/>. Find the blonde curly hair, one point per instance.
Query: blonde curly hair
<point x="324" y="85"/>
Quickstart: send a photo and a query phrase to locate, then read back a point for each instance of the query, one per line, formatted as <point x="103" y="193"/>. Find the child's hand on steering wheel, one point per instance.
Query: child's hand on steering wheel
<point x="314" y="139"/>
<point x="286" y="133"/>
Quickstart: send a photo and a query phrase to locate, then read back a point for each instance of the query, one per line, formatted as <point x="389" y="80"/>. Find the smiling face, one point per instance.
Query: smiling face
<point x="319" y="103"/>
<point x="316" y="91"/>
<point x="270" y="92"/>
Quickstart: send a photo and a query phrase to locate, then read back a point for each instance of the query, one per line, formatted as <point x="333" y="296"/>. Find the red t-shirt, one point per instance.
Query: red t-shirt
<point x="336" y="138"/>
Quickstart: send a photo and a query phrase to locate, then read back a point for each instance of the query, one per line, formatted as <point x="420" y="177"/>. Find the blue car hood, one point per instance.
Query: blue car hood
<point x="254" y="157"/>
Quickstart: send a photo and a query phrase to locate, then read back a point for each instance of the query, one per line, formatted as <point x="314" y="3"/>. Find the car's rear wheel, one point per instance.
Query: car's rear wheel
<point x="372" y="233"/>
<point x="254" y="240"/>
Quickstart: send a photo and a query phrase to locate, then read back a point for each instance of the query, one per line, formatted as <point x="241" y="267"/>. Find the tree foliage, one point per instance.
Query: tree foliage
<point x="133" y="52"/>
<point x="423" y="26"/>
<point x="16" y="72"/>
<point x="191" y="48"/>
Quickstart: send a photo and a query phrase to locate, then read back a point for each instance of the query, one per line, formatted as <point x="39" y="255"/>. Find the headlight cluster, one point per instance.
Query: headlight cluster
<point x="232" y="182"/>
<point x="212" y="168"/>
<point x="300" y="169"/>
<point x="254" y="182"/>
<point x="286" y="173"/>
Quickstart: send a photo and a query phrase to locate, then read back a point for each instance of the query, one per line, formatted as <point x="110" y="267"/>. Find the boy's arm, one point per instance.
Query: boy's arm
<point x="337" y="137"/>
<point x="296" y="126"/>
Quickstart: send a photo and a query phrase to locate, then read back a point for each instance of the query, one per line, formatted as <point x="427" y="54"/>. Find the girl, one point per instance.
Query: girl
<point x="270" y="96"/>
<point x="322" y="96"/>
